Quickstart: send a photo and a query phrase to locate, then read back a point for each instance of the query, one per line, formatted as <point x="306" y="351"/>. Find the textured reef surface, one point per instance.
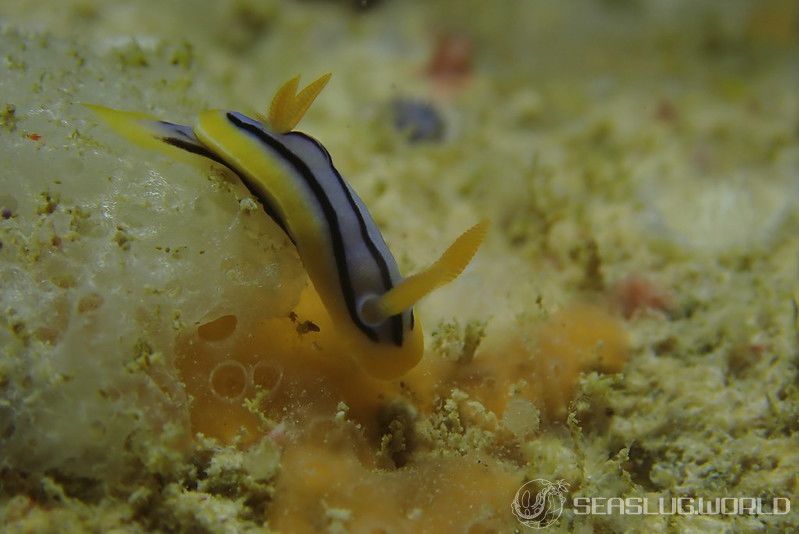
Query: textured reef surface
<point x="630" y="326"/>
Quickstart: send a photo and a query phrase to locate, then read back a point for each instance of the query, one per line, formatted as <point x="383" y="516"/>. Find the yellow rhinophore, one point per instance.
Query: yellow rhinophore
<point x="451" y="264"/>
<point x="288" y="106"/>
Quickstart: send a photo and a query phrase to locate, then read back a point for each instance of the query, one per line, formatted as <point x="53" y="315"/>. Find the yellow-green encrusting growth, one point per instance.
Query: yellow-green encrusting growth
<point x="665" y="148"/>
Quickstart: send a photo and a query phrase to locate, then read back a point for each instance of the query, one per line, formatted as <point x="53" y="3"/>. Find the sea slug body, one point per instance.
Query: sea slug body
<point x="341" y="247"/>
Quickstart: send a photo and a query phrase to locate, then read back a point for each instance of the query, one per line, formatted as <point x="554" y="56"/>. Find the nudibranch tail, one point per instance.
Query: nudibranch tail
<point x="451" y="263"/>
<point x="176" y="140"/>
<point x="288" y="106"/>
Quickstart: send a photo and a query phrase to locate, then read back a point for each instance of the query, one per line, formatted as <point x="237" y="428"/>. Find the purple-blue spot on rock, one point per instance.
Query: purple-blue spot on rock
<point x="418" y="120"/>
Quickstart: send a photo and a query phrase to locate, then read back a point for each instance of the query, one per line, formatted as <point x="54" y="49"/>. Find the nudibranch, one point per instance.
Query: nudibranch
<point x="339" y="244"/>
